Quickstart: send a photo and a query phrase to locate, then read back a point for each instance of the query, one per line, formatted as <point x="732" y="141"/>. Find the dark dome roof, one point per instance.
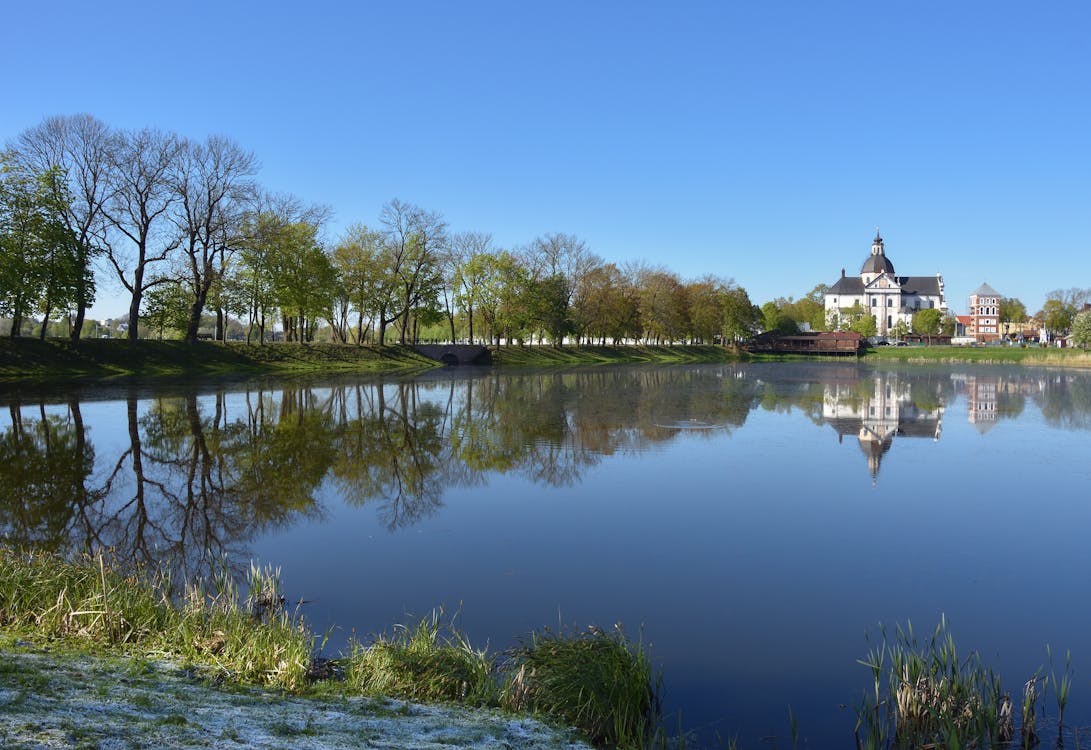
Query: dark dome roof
<point x="877" y="264"/>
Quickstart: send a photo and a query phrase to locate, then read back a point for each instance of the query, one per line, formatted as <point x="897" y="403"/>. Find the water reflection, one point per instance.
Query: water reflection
<point x="876" y="409"/>
<point x="191" y="476"/>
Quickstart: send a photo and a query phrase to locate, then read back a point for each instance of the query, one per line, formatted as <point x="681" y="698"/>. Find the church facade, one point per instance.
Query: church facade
<point x="881" y="293"/>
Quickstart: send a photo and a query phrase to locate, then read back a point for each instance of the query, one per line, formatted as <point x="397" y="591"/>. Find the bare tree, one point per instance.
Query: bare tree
<point x="143" y="165"/>
<point x="415" y="239"/>
<point x="213" y="193"/>
<point x="81" y="147"/>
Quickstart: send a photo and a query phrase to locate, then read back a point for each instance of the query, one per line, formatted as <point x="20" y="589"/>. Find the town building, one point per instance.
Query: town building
<point x="984" y="314"/>
<point x="879" y="292"/>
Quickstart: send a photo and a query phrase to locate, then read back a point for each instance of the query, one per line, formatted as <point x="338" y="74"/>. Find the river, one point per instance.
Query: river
<point x="752" y="523"/>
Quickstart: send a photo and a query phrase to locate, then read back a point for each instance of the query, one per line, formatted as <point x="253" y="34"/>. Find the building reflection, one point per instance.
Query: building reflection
<point x="874" y="410"/>
<point x="981" y="397"/>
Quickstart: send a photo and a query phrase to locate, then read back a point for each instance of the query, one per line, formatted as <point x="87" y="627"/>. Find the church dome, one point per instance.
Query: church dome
<point x="877" y="264"/>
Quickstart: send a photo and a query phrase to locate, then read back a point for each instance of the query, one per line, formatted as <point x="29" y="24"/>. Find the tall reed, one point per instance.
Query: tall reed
<point x="927" y="695"/>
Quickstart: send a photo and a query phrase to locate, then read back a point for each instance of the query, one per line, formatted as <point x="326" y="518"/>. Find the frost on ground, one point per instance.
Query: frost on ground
<point x="49" y="701"/>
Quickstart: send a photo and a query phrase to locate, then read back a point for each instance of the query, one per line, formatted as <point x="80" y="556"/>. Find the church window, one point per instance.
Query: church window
<point x="890" y="302"/>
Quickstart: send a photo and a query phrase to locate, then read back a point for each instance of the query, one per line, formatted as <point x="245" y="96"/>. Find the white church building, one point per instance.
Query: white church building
<point x="879" y="291"/>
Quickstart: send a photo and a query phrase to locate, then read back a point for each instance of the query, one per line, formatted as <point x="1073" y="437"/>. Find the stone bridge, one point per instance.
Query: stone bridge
<point x="455" y="354"/>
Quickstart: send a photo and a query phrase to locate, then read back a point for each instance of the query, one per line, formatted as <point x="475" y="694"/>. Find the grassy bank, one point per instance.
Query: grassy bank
<point x="597" y="681"/>
<point x="1037" y="356"/>
<point x="110" y="358"/>
<point x="547" y="356"/>
<point x="219" y="666"/>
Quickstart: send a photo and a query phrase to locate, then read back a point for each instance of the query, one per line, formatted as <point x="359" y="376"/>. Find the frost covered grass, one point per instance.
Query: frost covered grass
<point x="599" y="683"/>
<point x="51" y="700"/>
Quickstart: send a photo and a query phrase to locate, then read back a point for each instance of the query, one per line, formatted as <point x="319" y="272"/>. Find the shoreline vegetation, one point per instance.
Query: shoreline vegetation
<point x="595" y="681"/>
<point x="206" y="662"/>
<point x="101" y="360"/>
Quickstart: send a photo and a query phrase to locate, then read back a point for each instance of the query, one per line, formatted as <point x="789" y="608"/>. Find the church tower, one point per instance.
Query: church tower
<point x="877" y="263"/>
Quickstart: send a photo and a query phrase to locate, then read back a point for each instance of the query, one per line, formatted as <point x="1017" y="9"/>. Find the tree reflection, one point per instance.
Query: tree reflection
<point x="45" y="466"/>
<point x="392" y="450"/>
<point x="1065" y="400"/>
<point x="192" y="477"/>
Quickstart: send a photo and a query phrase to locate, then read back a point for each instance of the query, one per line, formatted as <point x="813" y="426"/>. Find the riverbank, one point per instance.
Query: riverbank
<point x="551" y="356"/>
<point x="207" y="657"/>
<point x="985" y="355"/>
<point x="97" y="359"/>
<point x="93" y="359"/>
<point x="50" y="699"/>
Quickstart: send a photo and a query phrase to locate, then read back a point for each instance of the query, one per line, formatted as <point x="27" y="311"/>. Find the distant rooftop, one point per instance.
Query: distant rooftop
<point x="986" y="291"/>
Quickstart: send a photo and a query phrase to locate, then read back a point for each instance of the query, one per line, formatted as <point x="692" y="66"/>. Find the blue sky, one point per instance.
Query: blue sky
<point x="761" y="141"/>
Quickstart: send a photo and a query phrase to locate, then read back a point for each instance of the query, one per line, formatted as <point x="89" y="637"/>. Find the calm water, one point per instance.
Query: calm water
<point x="755" y="521"/>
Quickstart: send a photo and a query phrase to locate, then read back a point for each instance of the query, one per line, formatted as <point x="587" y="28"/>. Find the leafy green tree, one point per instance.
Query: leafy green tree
<point x="304" y="280"/>
<point x="1011" y="312"/>
<point x="166" y="307"/>
<point x="850" y="317"/>
<point x="546" y="302"/>
<point x="356" y="259"/>
<point x="900" y="330"/>
<point x="664" y="309"/>
<point x="774" y="320"/>
<point x="927" y="322"/>
<point x="740" y="315"/>
<point x="490" y="287"/>
<point x="706" y="308"/>
<point x="80" y="150"/>
<point x="1081" y="329"/>
<point x="605" y="305"/>
<point x="39" y="270"/>
<point x="948" y="325"/>
<point x="809" y="310"/>
<point x="1056" y="316"/>
<point x="865" y="326"/>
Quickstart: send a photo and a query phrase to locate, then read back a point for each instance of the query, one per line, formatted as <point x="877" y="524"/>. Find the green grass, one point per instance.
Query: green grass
<point x="100" y="359"/>
<point x="426" y="662"/>
<point x="1031" y="355"/>
<point x="597" y="681"/>
<point x="233" y="637"/>
<point x="597" y="355"/>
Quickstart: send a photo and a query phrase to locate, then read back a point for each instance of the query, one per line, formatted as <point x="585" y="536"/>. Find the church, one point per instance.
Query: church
<point x="889" y="298"/>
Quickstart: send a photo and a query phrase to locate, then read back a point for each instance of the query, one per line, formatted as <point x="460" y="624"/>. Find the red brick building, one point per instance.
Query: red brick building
<point x="984" y="314"/>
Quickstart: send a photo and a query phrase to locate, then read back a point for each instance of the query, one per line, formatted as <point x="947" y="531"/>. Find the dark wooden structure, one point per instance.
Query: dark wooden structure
<point x="835" y="343"/>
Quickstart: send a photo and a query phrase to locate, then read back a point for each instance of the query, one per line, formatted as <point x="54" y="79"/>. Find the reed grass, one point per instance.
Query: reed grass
<point x="925" y="695"/>
<point x="426" y="662"/>
<point x="598" y="681"/>
<point x="85" y="602"/>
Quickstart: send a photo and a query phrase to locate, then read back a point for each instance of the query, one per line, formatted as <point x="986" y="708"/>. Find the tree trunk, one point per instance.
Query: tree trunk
<point x="45" y="321"/>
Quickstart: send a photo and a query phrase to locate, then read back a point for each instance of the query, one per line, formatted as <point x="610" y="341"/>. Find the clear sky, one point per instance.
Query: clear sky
<point x="762" y="141"/>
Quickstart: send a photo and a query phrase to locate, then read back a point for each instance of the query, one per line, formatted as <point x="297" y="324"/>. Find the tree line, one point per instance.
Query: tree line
<point x="188" y="232"/>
